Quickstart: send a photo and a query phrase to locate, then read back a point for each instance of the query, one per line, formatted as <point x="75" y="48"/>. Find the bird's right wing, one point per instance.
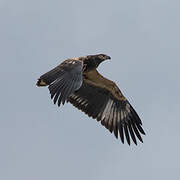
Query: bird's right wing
<point x="101" y="99"/>
<point x="63" y="80"/>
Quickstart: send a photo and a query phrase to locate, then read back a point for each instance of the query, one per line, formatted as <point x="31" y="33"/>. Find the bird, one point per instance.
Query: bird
<point x="77" y="81"/>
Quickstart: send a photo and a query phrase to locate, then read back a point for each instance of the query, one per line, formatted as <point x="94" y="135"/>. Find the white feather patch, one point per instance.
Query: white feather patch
<point x="108" y="106"/>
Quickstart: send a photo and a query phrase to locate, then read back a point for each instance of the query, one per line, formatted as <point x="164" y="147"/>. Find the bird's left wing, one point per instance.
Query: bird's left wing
<point x="101" y="99"/>
<point x="63" y="80"/>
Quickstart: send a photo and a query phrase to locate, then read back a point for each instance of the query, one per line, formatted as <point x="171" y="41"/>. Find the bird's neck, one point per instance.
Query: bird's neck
<point x="90" y="64"/>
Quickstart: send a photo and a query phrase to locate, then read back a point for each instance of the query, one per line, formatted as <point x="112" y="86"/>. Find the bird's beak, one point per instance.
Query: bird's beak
<point x="108" y="57"/>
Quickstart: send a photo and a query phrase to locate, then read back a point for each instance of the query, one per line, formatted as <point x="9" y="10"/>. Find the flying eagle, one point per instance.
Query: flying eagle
<point x="77" y="81"/>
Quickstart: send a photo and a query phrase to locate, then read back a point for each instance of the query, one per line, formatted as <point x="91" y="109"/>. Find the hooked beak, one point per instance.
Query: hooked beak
<point x="108" y="57"/>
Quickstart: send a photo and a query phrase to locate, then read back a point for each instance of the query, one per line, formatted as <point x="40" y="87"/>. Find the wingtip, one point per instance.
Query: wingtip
<point x="129" y="143"/>
<point x="40" y="83"/>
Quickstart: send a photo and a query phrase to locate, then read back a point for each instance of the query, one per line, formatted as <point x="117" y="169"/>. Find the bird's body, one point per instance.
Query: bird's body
<point x="77" y="81"/>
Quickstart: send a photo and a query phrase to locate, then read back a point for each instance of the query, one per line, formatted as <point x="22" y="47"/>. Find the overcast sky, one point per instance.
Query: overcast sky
<point x="38" y="140"/>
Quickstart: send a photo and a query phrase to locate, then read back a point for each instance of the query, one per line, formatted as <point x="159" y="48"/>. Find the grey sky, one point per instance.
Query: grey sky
<point x="40" y="141"/>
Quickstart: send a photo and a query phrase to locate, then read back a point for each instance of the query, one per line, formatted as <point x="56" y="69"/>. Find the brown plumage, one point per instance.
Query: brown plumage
<point x="77" y="81"/>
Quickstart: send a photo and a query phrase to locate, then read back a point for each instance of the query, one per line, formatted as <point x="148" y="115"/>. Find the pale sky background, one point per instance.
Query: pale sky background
<point x="38" y="140"/>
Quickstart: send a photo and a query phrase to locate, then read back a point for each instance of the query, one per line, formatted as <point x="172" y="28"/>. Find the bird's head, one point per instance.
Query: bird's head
<point x="99" y="57"/>
<point x="95" y="60"/>
<point x="102" y="57"/>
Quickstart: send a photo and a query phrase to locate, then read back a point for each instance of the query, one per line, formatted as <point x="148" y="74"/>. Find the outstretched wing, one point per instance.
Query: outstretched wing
<point x="101" y="99"/>
<point x="63" y="80"/>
